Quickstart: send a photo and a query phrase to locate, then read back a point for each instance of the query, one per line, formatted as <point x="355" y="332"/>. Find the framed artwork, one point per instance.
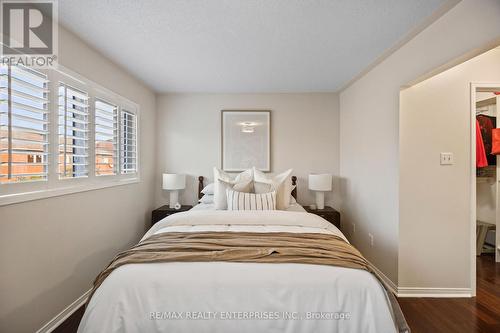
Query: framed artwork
<point x="246" y="140"/>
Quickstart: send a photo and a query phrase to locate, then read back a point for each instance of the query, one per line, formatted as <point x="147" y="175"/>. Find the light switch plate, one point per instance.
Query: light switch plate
<point x="447" y="158"/>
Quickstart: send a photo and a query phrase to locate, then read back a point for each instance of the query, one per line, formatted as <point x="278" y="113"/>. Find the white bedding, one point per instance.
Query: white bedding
<point x="294" y="207"/>
<point x="239" y="297"/>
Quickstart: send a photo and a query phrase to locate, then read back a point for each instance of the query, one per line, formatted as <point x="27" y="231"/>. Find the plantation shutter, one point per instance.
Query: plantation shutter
<point x="73" y="132"/>
<point x="128" y="146"/>
<point x="24" y="124"/>
<point x="106" y="138"/>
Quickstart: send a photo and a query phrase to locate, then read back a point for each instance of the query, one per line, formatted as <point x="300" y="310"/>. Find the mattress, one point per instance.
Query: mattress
<point x="239" y="297"/>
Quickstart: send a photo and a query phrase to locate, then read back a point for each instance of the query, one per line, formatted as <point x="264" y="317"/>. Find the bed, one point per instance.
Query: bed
<point x="220" y="296"/>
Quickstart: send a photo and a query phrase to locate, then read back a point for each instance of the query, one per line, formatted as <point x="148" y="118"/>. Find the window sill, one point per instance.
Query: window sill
<point x="10" y="199"/>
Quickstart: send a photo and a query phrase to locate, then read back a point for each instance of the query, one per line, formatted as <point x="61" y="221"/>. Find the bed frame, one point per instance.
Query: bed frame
<point x="201" y="186"/>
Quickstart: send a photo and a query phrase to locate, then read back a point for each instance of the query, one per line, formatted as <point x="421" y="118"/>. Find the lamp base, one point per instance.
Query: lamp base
<point x="320" y="200"/>
<point x="174" y="199"/>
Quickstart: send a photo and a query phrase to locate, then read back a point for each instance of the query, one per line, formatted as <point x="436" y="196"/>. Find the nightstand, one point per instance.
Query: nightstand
<point x="164" y="211"/>
<point x="329" y="214"/>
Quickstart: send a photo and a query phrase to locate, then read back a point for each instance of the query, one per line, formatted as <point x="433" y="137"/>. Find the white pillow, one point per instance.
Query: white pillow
<point x="207" y="199"/>
<point x="209" y="189"/>
<point x="281" y="183"/>
<point x="243" y="182"/>
<point x="250" y="201"/>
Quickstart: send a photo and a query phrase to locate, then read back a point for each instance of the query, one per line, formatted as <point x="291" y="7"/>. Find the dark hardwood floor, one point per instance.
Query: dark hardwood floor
<point x="70" y="325"/>
<point x="460" y="315"/>
<point x="429" y="315"/>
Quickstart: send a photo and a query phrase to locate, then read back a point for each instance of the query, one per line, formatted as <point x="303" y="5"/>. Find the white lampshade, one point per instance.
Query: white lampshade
<point x="172" y="181"/>
<point x="321" y="182"/>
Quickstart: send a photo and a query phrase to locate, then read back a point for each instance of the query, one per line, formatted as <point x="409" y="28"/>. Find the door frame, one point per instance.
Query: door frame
<point x="473" y="87"/>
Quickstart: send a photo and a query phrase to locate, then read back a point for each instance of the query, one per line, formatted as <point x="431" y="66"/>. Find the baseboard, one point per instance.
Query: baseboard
<point x="423" y="292"/>
<point x="392" y="286"/>
<point x="64" y="314"/>
<point x="434" y="292"/>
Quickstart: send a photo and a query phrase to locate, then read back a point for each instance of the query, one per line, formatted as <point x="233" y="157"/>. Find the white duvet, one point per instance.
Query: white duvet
<point x="239" y="297"/>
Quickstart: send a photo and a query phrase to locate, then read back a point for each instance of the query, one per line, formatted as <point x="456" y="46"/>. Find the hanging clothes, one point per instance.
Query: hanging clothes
<point x="487" y="124"/>
<point x="481" y="160"/>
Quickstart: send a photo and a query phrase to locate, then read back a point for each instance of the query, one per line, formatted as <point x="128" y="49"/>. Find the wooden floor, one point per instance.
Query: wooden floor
<point x="460" y="315"/>
<point x="430" y="315"/>
<point x="70" y="325"/>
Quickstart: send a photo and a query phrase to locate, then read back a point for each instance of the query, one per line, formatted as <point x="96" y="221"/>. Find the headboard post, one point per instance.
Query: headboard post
<point x="200" y="186"/>
<point x="294" y="183"/>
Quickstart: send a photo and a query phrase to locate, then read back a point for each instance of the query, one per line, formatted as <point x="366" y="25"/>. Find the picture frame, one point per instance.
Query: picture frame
<point x="245" y="140"/>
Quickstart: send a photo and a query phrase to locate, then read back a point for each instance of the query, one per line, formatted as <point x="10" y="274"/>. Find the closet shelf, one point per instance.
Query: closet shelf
<point x="489" y="180"/>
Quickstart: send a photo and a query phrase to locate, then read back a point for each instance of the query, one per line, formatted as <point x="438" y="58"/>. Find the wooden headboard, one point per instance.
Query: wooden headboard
<point x="294" y="183"/>
<point x="201" y="186"/>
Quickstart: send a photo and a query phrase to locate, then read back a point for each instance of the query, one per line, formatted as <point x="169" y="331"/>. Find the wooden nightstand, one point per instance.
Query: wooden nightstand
<point x="329" y="214"/>
<point x="164" y="211"/>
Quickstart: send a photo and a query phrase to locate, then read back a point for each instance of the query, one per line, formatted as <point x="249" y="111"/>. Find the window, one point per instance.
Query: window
<point x="23" y="125"/>
<point x="61" y="133"/>
<point x="34" y="158"/>
<point x="128" y="142"/>
<point x="106" y="137"/>
<point x="73" y="132"/>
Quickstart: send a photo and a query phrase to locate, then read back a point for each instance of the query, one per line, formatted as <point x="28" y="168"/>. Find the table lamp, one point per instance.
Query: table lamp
<point x="321" y="184"/>
<point x="173" y="182"/>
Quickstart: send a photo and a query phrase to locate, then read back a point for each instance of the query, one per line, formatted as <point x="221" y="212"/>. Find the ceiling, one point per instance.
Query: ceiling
<point x="244" y="45"/>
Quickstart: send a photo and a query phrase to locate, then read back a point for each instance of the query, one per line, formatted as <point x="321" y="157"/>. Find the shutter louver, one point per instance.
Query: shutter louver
<point x="128" y="145"/>
<point x="106" y="138"/>
<point x="24" y="124"/>
<point x="73" y="132"/>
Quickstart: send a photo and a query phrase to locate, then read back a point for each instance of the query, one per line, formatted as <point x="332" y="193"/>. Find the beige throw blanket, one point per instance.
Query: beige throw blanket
<point x="275" y="247"/>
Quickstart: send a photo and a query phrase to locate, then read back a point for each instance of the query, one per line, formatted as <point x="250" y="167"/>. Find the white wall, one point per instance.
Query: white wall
<point x="369" y="130"/>
<point x="304" y="136"/>
<point x="52" y="249"/>
<point x="435" y="200"/>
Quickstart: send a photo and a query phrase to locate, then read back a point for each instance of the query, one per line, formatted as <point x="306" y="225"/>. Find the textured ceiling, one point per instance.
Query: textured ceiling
<point x="244" y="45"/>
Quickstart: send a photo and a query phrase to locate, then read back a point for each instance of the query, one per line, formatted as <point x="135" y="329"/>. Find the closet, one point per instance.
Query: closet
<point x="487" y="186"/>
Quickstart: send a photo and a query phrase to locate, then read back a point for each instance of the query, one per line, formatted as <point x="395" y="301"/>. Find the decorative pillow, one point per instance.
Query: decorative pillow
<point x="250" y="201"/>
<point x="207" y="199"/>
<point x="209" y="189"/>
<point x="281" y="183"/>
<point x="243" y="182"/>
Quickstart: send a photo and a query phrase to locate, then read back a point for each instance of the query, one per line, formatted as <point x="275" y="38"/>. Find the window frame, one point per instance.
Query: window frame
<point x="11" y="193"/>
<point x="76" y="87"/>
<point x="133" y="110"/>
<point x="40" y="116"/>
<point x="117" y="142"/>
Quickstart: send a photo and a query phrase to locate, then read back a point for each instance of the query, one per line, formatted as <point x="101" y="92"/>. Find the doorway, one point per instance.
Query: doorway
<point x="485" y="166"/>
